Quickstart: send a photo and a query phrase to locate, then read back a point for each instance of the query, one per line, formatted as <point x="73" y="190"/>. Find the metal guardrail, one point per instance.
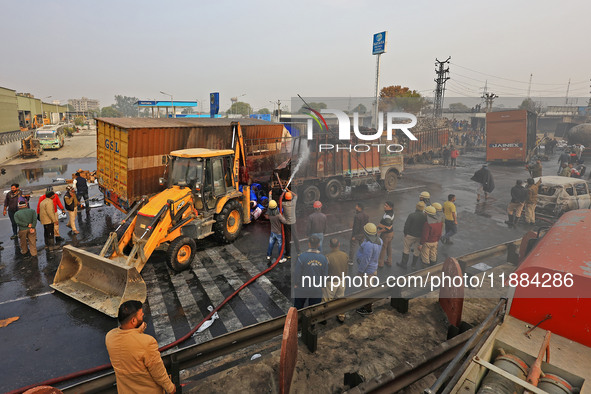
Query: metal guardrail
<point x="12" y="136"/>
<point x="308" y="318"/>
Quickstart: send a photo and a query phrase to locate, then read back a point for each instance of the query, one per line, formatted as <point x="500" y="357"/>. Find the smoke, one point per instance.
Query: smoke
<point x="304" y="154"/>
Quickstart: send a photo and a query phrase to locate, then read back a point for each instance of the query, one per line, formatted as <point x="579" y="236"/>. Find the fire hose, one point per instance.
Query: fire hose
<point x="104" y="367"/>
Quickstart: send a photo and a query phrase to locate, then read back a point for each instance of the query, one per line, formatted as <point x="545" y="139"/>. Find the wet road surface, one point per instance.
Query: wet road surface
<point x="56" y="335"/>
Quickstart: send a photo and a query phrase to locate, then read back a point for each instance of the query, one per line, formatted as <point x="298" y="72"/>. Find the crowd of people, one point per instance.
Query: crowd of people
<point x="24" y="219"/>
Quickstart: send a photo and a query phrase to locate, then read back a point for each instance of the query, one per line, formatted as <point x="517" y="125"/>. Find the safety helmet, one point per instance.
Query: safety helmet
<point x="437" y="206"/>
<point x="425" y="195"/>
<point x="272" y="204"/>
<point x="421" y="206"/>
<point x="288" y="196"/>
<point x="370" y="229"/>
<point x="430" y="210"/>
<point x="317" y="204"/>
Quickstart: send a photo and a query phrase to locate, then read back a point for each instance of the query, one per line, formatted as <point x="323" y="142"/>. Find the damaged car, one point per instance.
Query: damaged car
<point x="559" y="194"/>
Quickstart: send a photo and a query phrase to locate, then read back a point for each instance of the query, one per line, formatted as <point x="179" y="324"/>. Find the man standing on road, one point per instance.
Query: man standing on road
<point x="425" y="197"/>
<point x="357" y="236"/>
<point x="11" y="206"/>
<point x="289" y="206"/>
<point x="276" y="219"/>
<point x="71" y="204"/>
<point x="367" y="259"/>
<point x="386" y="232"/>
<point x="337" y="267"/>
<point x="486" y="183"/>
<point x="48" y="219"/>
<point x="413" y="230"/>
<point x="563" y="160"/>
<point x="56" y="203"/>
<point x="134" y="355"/>
<point x="310" y="270"/>
<point x="446" y="155"/>
<point x="26" y="218"/>
<point x="317" y="224"/>
<point x="532" y="200"/>
<point x="451" y="219"/>
<point x="518" y="197"/>
<point x="454" y="156"/>
<point x="430" y="237"/>
<point x="81" y="189"/>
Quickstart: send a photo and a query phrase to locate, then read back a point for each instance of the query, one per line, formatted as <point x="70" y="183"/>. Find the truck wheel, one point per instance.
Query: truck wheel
<point x="229" y="222"/>
<point x="390" y="181"/>
<point x="333" y="189"/>
<point x="311" y="194"/>
<point x="181" y="253"/>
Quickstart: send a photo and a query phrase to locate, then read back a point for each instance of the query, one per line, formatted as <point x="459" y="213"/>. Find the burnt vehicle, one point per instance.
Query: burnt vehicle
<point x="559" y="194"/>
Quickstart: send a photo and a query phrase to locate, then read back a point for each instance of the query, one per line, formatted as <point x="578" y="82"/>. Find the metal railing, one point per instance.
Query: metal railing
<point x="12" y="136"/>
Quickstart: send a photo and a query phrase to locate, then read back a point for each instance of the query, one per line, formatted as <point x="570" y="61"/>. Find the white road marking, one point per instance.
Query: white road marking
<point x="28" y="297"/>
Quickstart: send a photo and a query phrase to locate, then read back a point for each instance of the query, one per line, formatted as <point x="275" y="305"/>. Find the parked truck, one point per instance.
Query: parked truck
<point x="132" y="152"/>
<point x="429" y="144"/>
<point x="510" y="136"/>
<point x="203" y="195"/>
<point x="326" y="165"/>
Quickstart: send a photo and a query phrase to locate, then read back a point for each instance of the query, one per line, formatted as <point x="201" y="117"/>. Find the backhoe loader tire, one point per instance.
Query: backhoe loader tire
<point x="180" y="253"/>
<point x="229" y="222"/>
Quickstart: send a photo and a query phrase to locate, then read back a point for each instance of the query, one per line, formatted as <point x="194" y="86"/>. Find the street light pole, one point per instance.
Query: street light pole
<point x="172" y="102"/>
<point x="43" y="113"/>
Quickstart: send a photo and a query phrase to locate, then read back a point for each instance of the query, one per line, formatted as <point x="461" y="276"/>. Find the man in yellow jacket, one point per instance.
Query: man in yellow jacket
<point x="135" y="356"/>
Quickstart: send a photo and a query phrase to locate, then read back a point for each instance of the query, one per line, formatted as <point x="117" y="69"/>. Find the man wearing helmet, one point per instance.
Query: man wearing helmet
<point x="289" y="206"/>
<point x="431" y="233"/>
<point x="367" y="258"/>
<point x="276" y="219"/>
<point x="425" y="197"/>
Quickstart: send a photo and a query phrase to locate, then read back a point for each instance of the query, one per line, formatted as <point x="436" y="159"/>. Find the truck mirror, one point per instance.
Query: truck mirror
<point x="165" y="159"/>
<point x="162" y="181"/>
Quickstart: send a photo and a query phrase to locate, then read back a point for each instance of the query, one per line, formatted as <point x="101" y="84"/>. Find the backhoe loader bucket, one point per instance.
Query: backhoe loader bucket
<point x="96" y="281"/>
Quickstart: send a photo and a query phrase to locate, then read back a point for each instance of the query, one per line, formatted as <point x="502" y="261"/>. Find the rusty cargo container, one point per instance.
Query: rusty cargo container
<point x="326" y="173"/>
<point x="429" y="144"/>
<point x="510" y="135"/>
<point x="131" y="152"/>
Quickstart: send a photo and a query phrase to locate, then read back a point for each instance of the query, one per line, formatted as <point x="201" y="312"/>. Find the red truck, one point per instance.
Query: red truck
<point x="510" y="136"/>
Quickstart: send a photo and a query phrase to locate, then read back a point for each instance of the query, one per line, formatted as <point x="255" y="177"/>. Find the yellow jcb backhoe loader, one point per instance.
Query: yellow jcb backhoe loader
<point x="202" y="198"/>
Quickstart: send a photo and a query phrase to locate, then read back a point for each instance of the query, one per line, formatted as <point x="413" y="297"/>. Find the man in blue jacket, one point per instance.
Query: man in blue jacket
<point x="311" y="271"/>
<point x="367" y="259"/>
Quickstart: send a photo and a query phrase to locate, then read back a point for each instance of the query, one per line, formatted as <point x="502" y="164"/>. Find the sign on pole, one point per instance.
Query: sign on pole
<point x="379" y="43"/>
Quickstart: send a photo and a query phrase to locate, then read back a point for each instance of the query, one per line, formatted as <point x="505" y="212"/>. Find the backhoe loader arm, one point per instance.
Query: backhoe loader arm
<point x="239" y="153"/>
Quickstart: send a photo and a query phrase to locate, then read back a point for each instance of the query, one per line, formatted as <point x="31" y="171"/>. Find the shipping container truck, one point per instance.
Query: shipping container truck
<point x="324" y="173"/>
<point x="510" y="136"/>
<point x="132" y="152"/>
<point x="429" y="144"/>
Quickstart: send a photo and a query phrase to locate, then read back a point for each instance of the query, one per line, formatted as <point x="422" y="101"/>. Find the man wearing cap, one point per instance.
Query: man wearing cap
<point x="518" y="197"/>
<point x="425" y="197"/>
<point x="289" y="207"/>
<point x="56" y="203"/>
<point x="359" y="220"/>
<point x="310" y="270"/>
<point x="26" y="218"/>
<point x="48" y="219"/>
<point x="532" y="200"/>
<point x="317" y="224"/>
<point x="439" y="211"/>
<point x="134" y="355"/>
<point x="386" y="232"/>
<point x="451" y="219"/>
<point x="11" y="206"/>
<point x="430" y="237"/>
<point x="413" y="230"/>
<point x="71" y="204"/>
<point x="367" y="258"/>
<point x="486" y="183"/>
<point x="276" y="219"/>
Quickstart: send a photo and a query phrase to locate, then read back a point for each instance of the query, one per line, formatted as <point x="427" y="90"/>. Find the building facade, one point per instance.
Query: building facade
<point x="84" y="104"/>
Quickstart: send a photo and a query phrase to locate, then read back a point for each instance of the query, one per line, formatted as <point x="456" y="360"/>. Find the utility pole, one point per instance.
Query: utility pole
<point x="567" y="90"/>
<point x="529" y="87"/>
<point x="488" y="100"/>
<point x="442" y="77"/>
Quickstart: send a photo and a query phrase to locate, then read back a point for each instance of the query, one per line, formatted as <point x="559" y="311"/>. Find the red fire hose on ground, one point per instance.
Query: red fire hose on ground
<point x="104" y="367"/>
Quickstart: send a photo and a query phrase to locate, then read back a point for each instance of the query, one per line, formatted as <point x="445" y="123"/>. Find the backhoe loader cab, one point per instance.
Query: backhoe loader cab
<point x="202" y="198"/>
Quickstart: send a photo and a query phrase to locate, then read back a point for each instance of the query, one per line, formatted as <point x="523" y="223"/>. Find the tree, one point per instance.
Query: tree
<point x="110" y="112"/>
<point x="187" y="111"/>
<point x="241" y="108"/>
<point x="528" y="104"/>
<point x="396" y="97"/>
<point x="264" y="111"/>
<point x="360" y="109"/>
<point x="126" y="106"/>
<point x="458" y="107"/>
<point x="314" y="106"/>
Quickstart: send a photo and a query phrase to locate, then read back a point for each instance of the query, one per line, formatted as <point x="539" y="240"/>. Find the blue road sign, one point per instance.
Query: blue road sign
<point x="379" y="42"/>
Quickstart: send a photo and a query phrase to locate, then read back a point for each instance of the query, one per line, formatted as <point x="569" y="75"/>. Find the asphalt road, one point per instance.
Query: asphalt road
<point x="56" y="335"/>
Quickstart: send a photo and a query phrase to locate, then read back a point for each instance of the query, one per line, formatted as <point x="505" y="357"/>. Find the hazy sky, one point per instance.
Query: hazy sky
<point x="271" y="50"/>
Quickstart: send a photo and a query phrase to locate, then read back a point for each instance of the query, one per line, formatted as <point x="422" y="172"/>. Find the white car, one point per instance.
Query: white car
<point x="558" y="194"/>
